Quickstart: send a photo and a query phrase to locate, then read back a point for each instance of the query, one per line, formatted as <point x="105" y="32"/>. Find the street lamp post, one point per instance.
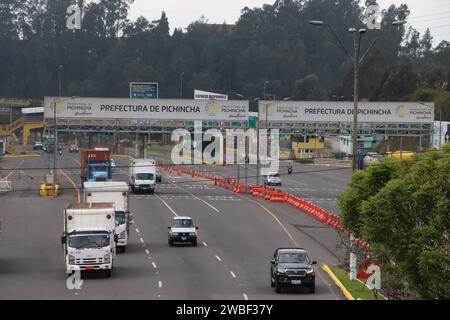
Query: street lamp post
<point x="181" y="85"/>
<point x="55" y="146"/>
<point x="265" y="84"/>
<point x="357" y="61"/>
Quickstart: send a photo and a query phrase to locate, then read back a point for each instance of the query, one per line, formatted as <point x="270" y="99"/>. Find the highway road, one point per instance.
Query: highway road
<point x="237" y="237"/>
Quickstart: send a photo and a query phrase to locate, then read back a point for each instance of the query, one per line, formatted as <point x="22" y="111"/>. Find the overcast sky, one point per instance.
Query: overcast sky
<point x="434" y="14"/>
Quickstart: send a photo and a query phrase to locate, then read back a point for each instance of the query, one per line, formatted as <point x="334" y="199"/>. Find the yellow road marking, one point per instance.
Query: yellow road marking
<point x="344" y="290"/>
<point x="73" y="184"/>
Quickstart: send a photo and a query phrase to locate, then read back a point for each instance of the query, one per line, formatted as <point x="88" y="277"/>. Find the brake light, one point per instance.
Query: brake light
<point x="89" y="194"/>
<point x="69" y="217"/>
<point x="124" y="193"/>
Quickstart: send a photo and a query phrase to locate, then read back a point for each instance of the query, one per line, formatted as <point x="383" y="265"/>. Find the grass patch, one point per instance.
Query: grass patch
<point x="356" y="288"/>
<point x="304" y="161"/>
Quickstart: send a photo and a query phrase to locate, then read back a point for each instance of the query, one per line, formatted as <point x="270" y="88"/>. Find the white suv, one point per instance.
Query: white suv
<point x="182" y="230"/>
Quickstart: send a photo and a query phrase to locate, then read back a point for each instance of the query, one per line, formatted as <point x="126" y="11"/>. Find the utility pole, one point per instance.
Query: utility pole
<point x="181" y="85"/>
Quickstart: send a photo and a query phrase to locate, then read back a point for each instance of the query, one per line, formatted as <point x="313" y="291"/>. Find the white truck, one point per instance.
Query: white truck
<point x="117" y="193"/>
<point x="142" y="175"/>
<point x="89" y="240"/>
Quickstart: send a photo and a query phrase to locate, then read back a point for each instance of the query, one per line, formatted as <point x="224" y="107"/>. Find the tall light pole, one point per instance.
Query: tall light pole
<point x="60" y="70"/>
<point x="357" y="60"/>
<point x="55" y="146"/>
<point x="181" y="85"/>
<point x="265" y="84"/>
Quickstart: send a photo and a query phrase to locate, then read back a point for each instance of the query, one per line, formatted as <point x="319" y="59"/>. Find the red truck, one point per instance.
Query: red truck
<point x="95" y="165"/>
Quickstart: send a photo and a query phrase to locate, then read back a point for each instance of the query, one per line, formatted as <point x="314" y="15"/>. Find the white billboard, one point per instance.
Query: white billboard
<point x="139" y="109"/>
<point x="342" y="111"/>
<point x="205" y="95"/>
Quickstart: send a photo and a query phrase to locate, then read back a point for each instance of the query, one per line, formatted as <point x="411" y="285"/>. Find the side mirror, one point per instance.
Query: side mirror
<point x="314" y="262"/>
<point x="131" y="221"/>
<point x="168" y="228"/>
<point x="63" y="240"/>
<point x="196" y="228"/>
<point x="272" y="261"/>
<point x="116" y="238"/>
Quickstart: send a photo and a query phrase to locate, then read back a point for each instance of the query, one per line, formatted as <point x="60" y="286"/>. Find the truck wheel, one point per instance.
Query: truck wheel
<point x="278" y="287"/>
<point x="272" y="284"/>
<point x="171" y="242"/>
<point x="152" y="191"/>
<point x="108" y="273"/>
<point x="312" y="288"/>
<point x="194" y="243"/>
<point x="124" y="249"/>
<point x="132" y="189"/>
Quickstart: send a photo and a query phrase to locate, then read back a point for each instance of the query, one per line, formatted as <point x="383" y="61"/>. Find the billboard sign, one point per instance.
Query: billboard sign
<point x="205" y="95"/>
<point x="342" y="111"/>
<point x="138" y="109"/>
<point x="144" y="90"/>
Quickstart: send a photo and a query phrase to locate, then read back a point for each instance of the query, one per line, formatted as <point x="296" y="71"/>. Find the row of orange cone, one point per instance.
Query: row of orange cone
<point x="269" y="194"/>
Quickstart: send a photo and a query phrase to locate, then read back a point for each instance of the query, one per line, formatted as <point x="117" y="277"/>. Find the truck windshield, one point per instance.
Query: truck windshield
<point x="293" y="257"/>
<point x="100" y="168"/>
<point x="120" y="218"/>
<point x="85" y="241"/>
<point x="182" y="223"/>
<point x="144" y="176"/>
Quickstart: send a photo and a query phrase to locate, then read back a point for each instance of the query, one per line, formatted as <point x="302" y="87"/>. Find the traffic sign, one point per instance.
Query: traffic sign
<point x="144" y="90"/>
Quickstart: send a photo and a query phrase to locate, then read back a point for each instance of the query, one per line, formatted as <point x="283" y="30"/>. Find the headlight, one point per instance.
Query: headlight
<point x="310" y="270"/>
<point x="174" y="233"/>
<point x="281" y="270"/>
<point x="192" y="234"/>
<point x="71" y="259"/>
<point x="107" y="258"/>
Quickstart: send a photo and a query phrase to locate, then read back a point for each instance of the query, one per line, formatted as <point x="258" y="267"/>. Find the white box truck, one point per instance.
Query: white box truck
<point x="117" y="193"/>
<point x="89" y="240"/>
<point x="142" y="175"/>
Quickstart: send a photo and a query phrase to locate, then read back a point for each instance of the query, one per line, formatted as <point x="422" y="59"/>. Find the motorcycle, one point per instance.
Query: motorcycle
<point x="60" y="152"/>
<point x="289" y="170"/>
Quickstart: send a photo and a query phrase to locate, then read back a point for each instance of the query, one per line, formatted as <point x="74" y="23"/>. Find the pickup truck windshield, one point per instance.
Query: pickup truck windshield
<point x="144" y="176"/>
<point x="86" y="241"/>
<point x="293" y="257"/>
<point x="182" y="223"/>
<point x="120" y="218"/>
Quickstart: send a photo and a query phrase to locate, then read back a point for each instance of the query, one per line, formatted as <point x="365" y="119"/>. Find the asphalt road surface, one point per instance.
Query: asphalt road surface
<point x="237" y="237"/>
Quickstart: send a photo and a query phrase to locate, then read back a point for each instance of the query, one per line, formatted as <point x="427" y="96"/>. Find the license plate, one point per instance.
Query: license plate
<point x="296" y="281"/>
<point x="183" y="238"/>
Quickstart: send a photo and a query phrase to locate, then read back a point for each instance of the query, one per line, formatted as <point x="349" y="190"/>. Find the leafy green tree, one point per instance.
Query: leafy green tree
<point x="403" y="211"/>
<point x="401" y="83"/>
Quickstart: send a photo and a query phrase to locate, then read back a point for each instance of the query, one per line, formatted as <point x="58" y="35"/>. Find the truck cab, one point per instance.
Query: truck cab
<point x="89" y="238"/>
<point x="95" y="165"/>
<point x="98" y="172"/>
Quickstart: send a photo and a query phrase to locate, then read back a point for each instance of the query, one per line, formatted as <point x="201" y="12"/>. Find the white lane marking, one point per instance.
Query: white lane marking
<point x="205" y="202"/>
<point x="146" y="251"/>
<point x="232" y="274"/>
<point x="142" y="240"/>
<point x="160" y="284"/>
<point x="15" y="169"/>
<point x="245" y="296"/>
<point x="154" y="265"/>
<point x="175" y="214"/>
<point x="137" y="230"/>
<point x="218" y="258"/>
<point x="204" y="243"/>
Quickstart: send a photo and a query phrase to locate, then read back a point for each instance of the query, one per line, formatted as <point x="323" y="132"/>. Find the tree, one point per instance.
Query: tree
<point x="403" y="211"/>
<point x="308" y="88"/>
<point x="401" y="83"/>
